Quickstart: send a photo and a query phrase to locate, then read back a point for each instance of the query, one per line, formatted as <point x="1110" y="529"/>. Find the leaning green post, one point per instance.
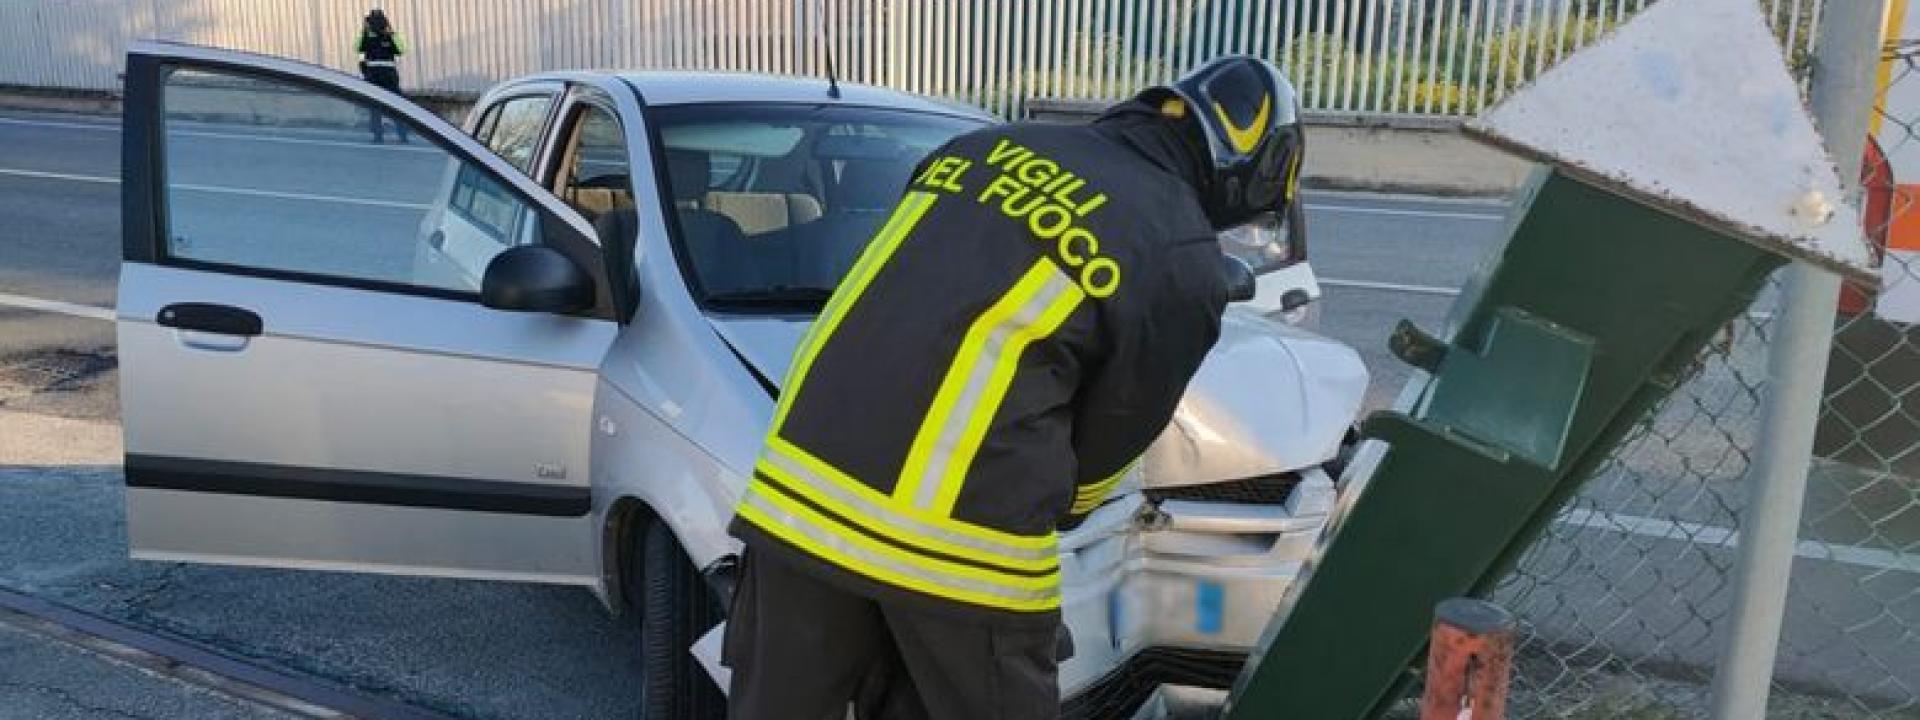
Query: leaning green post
<point x="1648" y="229"/>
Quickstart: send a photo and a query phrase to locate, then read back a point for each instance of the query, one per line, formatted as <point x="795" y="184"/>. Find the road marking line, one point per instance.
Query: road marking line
<point x="40" y="175"/>
<point x="1392" y="287"/>
<point x="1440" y="214"/>
<point x="94" y="312"/>
<point x="1702" y="534"/>
<point x="114" y="128"/>
<point x="1406" y="197"/>
<point x="301" y="196"/>
<point x="227" y="190"/>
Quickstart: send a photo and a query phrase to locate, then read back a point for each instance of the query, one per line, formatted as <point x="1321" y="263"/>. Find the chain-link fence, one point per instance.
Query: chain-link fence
<point x="1627" y="600"/>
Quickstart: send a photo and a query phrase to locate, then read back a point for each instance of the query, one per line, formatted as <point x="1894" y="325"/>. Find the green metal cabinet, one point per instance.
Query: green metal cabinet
<point x="1593" y="308"/>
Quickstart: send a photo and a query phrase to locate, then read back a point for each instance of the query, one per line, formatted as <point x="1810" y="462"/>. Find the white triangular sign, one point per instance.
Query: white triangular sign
<point x="1689" y="107"/>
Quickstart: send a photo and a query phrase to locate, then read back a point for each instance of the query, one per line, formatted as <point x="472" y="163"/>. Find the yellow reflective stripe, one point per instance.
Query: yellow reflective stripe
<point x="1106" y="484"/>
<point x="907" y="214"/>
<point x="957" y="567"/>
<point x="1245" y="139"/>
<point x="976" y="384"/>
<point x="1066" y="297"/>
<point x="1293" y="175"/>
<point x="799" y="525"/>
<point x="1089" y="496"/>
<point x="888" y="571"/>
<point x="938" y="433"/>
<point x="876" y="515"/>
<point x="1093" y="493"/>
<point x="821" y="474"/>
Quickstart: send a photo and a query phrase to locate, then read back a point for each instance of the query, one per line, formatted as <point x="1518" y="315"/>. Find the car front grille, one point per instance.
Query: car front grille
<point x="1263" y="490"/>
<point x="1121" y="692"/>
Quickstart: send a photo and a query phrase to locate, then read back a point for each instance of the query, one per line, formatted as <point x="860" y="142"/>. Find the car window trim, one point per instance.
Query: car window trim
<point x="623" y="287"/>
<point x="143" y="150"/>
<point x="481" y="130"/>
<point x="571" y="116"/>
<point x="144" y="161"/>
<point x="546" y="125"/>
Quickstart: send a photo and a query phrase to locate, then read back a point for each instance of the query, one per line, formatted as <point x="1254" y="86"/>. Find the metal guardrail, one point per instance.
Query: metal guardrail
<point x="1442" y="58"/>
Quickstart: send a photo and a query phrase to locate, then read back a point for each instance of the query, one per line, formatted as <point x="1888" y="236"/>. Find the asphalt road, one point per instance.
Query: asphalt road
<point x="46" y="679"/>
<point x="509" y="651"/>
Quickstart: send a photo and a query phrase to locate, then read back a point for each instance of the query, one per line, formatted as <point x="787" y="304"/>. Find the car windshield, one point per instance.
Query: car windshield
<point x="775" y="202"/>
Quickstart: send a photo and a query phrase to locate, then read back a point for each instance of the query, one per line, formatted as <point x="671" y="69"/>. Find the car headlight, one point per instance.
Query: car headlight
<point x="1265" y="244"/>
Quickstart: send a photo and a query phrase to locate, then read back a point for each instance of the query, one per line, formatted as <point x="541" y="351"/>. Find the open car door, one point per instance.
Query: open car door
<point x="304" y="382"/>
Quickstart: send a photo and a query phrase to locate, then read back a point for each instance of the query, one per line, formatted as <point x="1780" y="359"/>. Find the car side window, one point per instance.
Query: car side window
<point x="484" y="129"/>
<point x="283" y="179"/>
<point x="515" y="129"/>
<point x="593" y="175"/>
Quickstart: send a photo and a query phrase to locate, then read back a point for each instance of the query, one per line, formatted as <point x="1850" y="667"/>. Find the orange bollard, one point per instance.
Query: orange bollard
<point x="1468" y="662"/>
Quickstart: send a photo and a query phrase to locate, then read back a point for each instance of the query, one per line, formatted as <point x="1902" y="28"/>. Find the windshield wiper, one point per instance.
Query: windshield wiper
<point x="778" y="296"/>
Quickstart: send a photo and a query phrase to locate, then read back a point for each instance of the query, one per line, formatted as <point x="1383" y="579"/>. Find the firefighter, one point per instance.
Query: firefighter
<point x="1008" y="345"/>
<point x="380" y="48"/>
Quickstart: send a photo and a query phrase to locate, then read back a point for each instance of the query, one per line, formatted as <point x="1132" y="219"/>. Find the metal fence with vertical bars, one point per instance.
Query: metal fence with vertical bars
<point x="1446" y="58"/>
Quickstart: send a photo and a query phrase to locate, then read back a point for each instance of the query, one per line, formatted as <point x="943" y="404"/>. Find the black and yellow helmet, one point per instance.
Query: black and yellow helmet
<point x="1249" y="116"/>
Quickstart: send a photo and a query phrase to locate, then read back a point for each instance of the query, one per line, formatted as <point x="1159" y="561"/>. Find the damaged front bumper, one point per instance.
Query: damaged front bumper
<point x="1166" y="592"/>
<point x="1177" y="591"/>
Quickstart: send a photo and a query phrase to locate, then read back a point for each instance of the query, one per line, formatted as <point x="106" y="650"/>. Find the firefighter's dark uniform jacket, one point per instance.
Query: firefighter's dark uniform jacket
<point x="379" y="56"/>
<point x="380" y="47"/>
<point x="1009" y="343"/>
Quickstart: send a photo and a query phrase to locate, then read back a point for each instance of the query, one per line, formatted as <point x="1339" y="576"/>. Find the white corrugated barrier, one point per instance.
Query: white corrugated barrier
<point x="1427" y="57"/>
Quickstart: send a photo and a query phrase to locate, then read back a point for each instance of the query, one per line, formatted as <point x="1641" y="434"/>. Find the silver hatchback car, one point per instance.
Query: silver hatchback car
<point x="544" y="349"/>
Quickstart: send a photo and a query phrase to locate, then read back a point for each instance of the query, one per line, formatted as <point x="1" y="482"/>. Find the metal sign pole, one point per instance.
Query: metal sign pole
<point x="1847" y="55"/>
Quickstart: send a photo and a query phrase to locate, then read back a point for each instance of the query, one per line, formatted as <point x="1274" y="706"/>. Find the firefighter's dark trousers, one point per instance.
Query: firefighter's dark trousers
<point x="389" y="78"/>
<point x="802" y="649"/>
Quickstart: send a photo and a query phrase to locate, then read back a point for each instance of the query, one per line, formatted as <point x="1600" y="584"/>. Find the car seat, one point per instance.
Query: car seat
<point x="858" y="205"/>
<point x="722" y="259"/>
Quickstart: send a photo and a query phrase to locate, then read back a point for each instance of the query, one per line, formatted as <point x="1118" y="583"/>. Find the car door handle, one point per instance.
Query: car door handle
<point x="211" y="318"/>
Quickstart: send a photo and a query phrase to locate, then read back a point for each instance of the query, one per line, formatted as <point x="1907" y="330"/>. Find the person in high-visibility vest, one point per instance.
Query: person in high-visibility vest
<point x="1006" y="348"/>
<point x="380" y="48"/>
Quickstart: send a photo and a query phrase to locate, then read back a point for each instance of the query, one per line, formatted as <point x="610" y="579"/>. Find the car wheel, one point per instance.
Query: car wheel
<point x="674" y="607"/>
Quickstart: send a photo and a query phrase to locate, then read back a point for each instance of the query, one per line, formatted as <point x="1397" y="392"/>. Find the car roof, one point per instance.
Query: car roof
<point x="677" y="87"/>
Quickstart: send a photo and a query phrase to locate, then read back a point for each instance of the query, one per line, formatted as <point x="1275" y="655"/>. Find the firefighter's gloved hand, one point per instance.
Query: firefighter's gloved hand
<point x="1063" y="644"/>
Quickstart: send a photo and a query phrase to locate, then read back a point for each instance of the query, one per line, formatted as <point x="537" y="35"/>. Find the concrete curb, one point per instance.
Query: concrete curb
<point x="33" y="439"/>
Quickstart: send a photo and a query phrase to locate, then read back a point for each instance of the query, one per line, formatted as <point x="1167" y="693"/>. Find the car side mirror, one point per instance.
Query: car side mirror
<point x="1241" y="284"/>
<point x="536" y="278"/>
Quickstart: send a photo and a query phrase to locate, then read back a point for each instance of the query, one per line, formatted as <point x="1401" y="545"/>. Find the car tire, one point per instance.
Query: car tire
<point x="673" y="607"/>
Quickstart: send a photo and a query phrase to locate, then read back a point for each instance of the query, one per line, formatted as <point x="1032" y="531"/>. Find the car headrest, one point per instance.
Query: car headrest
<point x="870" y="184"/>
<point x="689" y="172"/>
